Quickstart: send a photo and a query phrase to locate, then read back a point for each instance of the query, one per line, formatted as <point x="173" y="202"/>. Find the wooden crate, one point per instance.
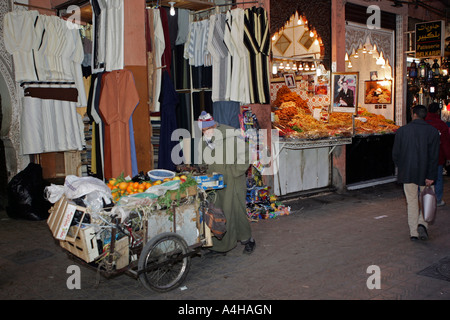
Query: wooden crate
<point x="60" y="218"/>
<point x="85" y="244"/>
<point x="189" y="192"/>
<point x="123" y="249"/>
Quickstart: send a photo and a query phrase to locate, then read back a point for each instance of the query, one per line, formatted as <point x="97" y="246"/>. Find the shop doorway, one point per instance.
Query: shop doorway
<point x="3" y="173"/>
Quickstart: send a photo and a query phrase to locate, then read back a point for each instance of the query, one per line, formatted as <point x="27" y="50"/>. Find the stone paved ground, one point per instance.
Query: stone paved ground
<point x="321" y="251"/>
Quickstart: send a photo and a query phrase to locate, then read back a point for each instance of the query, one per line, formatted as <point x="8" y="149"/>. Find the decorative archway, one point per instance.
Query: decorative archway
<point x="318" y="14"/>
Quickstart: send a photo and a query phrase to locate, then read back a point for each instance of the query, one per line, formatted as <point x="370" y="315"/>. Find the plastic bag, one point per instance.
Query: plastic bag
<point x="429" y="204"/>
<point x="26" y="195"/>
<point x="76" y="187"/>
<point x="53" y="193"/>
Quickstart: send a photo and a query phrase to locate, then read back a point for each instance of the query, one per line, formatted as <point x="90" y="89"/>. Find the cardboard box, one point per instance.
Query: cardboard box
<point x="60" y="218"/>
<point x="214" y="181"/>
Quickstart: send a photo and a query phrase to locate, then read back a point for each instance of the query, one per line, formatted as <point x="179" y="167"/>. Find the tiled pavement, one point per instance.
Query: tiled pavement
<point x="321" y="251"/>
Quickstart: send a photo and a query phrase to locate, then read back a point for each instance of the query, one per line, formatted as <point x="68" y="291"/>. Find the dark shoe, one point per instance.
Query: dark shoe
<point x="249" y="246"/>
<point x="423" y="234"/>
<point x="414" y="239"/>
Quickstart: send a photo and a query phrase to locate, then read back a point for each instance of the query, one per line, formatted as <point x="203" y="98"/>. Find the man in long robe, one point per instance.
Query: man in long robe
<point x="217" y="139"/>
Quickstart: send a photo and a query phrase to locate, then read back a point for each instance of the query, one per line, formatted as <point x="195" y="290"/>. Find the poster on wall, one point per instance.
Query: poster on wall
<point x="289" y="80"/>
<point x="344" y="91"/>
<point x="430" y="39"/>
<point x="378" y="92"/>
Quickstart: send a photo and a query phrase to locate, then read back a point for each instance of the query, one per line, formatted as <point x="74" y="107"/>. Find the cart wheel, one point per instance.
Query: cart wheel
<point x="164" y="262"/>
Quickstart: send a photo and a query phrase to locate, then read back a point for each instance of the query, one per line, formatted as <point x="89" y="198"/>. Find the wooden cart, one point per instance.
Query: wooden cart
<point x="154" y="245"/>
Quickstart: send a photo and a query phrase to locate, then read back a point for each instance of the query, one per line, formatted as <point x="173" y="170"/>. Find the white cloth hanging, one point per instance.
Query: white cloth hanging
<point x="49" y="126"/>
<point x="219" y="53"/>
<point x="19" y="38"/>
<point x="114" y="54"/>
<point x="159" y="47"/>
<point x="239" y="83"/>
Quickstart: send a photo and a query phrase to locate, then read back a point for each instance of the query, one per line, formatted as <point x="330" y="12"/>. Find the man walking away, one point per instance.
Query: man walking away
<point x="416" y="153"/>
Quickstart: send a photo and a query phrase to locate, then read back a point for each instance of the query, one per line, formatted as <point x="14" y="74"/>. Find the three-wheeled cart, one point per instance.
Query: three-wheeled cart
<point x="142" y="239"/>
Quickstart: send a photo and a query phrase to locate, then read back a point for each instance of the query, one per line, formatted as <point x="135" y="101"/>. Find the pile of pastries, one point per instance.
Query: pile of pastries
<point x="294" y="119"/>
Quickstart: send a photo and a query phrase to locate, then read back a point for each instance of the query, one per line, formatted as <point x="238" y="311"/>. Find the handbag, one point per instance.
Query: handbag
<point x="428" y="203"/>
<point x="215" y="219"/>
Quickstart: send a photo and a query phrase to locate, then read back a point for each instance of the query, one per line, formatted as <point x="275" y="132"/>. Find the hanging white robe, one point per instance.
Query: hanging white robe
<point x="239" y="88"/>
<point x="19" y="38"/>
<point x="49" y="126"/>
<point x="159" y="47"/>
<point x="114" y="35"/>
<point x="219" y="53"/>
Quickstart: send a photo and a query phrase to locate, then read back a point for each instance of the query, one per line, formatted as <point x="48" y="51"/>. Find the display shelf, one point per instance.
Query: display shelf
<point x="298" y="144"/>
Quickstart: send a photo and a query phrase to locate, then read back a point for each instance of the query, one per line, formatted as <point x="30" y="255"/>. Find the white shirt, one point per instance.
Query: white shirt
<point x="19" y="38"/>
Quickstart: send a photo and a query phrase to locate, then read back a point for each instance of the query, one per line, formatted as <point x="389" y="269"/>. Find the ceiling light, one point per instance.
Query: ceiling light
<point x="172" y="9"/>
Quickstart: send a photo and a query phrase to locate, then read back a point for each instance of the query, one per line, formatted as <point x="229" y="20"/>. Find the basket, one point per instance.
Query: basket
<point x="160" y="174"/>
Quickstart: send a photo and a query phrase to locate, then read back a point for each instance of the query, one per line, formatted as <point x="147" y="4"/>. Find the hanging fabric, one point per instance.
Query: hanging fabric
<point x="169" y="100"/>
<point x="20" y="42"/>
<point x="257" y="42"/>
<point x="118" y="100"/>
<point x="158" y="46"/>
<point x="114" y="35"/>
<point x="49" y="126"/>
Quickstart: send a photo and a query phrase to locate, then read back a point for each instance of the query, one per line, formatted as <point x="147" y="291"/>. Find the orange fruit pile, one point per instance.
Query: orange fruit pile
<point x="120" y="187"/>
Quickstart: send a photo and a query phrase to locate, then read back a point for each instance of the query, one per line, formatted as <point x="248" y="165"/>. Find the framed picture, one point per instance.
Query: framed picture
<point x="289" y="80"/>
<point x="376" y="92"/>
<point x="344" y="91"/>
<point x="321" y="90"/>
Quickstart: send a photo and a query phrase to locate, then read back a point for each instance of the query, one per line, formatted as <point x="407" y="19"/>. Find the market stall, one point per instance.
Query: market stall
<point x="336" y="128"/>
<point x="307" y="142"/>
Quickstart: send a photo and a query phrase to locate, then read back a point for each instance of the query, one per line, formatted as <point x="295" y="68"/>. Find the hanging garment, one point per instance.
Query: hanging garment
<point x="183" y="26"/>
<point x="49" y="126"/>
<point x="119" y="98"/>
<point x="257" y="42"/>
<point x="169" y="100"/>
<point x="151" y="62"/>
<point x="234" y="39"/>
<point x="227" y="112"/>
<point x="159" y="46"/>
<point x="74" y="59"/>
<point x="166" y="58"/>
<point x="20" y="41"/>
<point x="99" y="35"/>
<point x="219" y="53"/>
<point x="114" y="35"/>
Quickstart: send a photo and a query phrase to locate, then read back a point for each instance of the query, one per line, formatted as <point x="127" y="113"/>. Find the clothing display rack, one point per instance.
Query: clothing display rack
<point x="25" y="83"/>
<point x="228" y="4"/>
<point x="33" y="7"/>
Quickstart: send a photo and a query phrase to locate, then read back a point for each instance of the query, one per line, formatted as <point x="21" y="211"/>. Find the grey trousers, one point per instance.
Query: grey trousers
<point x="415" y="217"/>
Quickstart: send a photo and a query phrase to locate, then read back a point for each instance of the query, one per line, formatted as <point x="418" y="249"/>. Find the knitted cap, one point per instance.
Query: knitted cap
<point x="205" y="120"/>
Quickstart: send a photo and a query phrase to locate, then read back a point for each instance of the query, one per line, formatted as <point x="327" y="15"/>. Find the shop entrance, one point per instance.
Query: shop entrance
<point x="3" y="173"/>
